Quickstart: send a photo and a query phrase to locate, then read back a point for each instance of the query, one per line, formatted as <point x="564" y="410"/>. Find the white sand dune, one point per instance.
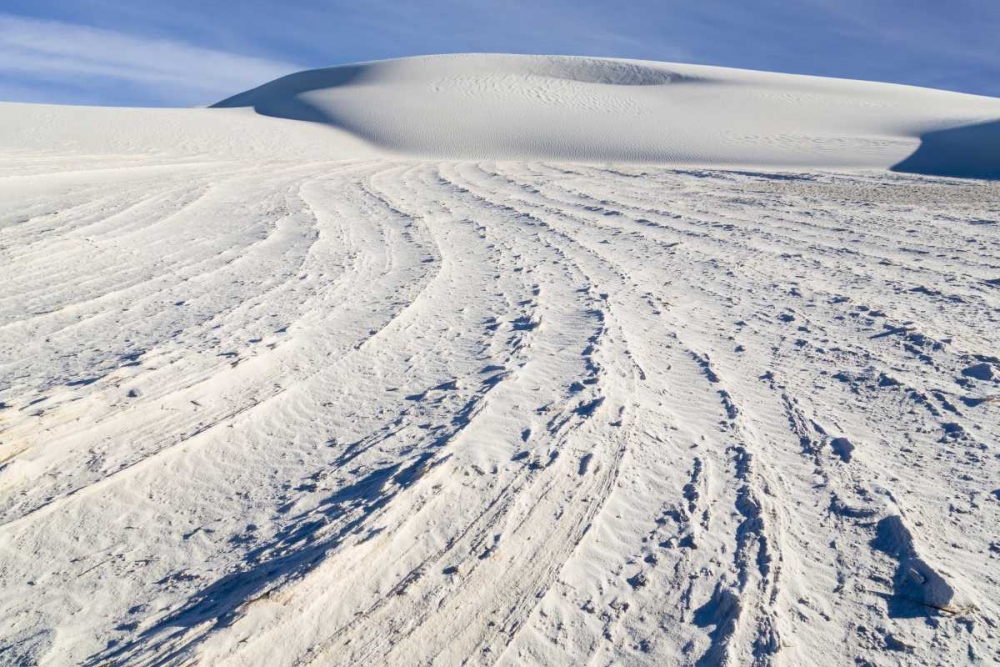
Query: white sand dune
<point x="585" y="109"/>
<point x="502" y="360"/>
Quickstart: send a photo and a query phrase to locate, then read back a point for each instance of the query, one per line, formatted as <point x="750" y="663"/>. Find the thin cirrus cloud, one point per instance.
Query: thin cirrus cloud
<point x="45" y="60"/>
<point x="187" y="52"/>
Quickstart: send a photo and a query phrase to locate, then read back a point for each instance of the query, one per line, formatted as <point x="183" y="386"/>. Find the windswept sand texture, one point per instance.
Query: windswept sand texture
<point x="276" y="392"/>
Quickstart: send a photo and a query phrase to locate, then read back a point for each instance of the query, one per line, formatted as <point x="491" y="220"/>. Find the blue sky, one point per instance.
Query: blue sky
<point x="190" y="52"/>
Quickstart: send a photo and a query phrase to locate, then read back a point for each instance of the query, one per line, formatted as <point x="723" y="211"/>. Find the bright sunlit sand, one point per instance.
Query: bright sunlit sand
<point x="486" y="359"/>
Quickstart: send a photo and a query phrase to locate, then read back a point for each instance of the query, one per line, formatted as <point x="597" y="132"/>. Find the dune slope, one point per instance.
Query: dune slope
<point x="585" y="109"/>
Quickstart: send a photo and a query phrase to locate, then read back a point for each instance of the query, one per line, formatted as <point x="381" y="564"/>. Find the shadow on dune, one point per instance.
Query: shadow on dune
<point x="281" y="98"/>
<point x="286" y="97"/>
<point x="968" y="151"/>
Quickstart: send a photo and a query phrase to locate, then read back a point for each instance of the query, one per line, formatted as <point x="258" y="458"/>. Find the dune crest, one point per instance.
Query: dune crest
<point x="593" y="109"/>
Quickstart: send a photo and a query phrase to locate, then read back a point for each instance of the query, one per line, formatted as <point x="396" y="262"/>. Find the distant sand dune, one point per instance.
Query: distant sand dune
<point x="586" y="109"/>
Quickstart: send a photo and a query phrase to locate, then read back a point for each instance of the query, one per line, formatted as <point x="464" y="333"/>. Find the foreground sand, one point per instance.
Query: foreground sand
<point x="272" y="393"/>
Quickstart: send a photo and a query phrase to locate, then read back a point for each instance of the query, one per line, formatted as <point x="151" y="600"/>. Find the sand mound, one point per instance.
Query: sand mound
<point x="589" y="109"/>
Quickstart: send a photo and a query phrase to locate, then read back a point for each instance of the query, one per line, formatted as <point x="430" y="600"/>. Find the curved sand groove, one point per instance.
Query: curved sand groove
<point x="263" y="405"/>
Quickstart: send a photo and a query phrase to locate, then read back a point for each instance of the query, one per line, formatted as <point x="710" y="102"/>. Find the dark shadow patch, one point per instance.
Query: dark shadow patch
<point x="281" y="98"/>
<point x="82" y="383"/>
<point x="967" y="151"/>
<point x="918" y="589"/>
<point x="721" y="613"/>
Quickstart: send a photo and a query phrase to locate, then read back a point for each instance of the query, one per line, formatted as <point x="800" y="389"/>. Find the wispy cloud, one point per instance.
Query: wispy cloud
<point x="41" y="53"/>
<point x="182" y="52"/>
